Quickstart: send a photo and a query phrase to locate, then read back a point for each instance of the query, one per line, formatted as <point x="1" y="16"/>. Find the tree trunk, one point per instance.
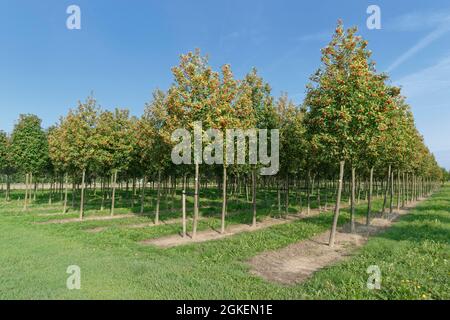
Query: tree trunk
<point x="82" y="195"/>
<point x="224" y="199"/>
<point x="26" y="192"/>
<point x="308" y="193"/>
<point x="113" y="197"/>
<point x="386" y="191"/>
<point x="158" y="198"/>
<point x="65" y="194"/>
<point x="398" y="190"/>
<point x="369" y="200"/>
<point x="8" y="188"/>
<point x="353" y="204"/>
<point x="338" y="204"/>
<point x="254" y="195"/>
<point x="183" y="208"/>
<point x="196" y="182"/>
<point x="144" y="183"/>
<point x="391" y="201"/>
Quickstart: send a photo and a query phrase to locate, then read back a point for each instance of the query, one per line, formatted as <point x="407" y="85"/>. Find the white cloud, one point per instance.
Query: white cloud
<point x="418" y="21"/>
<point x="439" y="22"/>
<point x="428" y="92"/>
<point x="433" y="82"/>
<point x="421" y="44"/>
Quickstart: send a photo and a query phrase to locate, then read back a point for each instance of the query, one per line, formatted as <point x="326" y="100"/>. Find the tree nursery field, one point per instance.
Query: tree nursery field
<point x="338" y="197"/>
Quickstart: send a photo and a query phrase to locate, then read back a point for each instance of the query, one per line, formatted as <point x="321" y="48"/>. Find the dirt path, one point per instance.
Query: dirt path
<point x="297" y="262"/>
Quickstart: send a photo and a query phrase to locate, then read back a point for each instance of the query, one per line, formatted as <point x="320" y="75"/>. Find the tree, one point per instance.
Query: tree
<point x="339" y="104"/>
<point x="264" y="115"/>
<point x="72" y="143"/>
<point x="153" y="139"/>
<point x="29" y="148"/>
<point x="293" y="145"/>
<point x="113" y="145"/>
<point x="6" y="161"/>
<point x="191" y="99"/>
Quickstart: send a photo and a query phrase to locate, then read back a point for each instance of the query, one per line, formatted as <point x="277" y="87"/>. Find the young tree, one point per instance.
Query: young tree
<point x="339" y="104"/>
<point x="153" y="139"/>
<point x="264" y="115"/>
<point x="189" y="100"/>
<point x="293" y="145"/>
<point x="29" y="148"/>
<point x="113" y="145"/>
<point x="6" y="161"/>
<point x="72" y="143"/>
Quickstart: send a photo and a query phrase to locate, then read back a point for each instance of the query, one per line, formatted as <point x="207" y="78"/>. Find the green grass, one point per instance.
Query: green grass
<point x="413" y="256"/>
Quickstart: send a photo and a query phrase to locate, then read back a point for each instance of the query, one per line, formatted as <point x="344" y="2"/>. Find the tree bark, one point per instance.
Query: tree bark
<point x="338" y="204"/>
<point x="26" y="192"/>
<point x="353" y="204"/>
<point x="196" y="187"/>
<point x="386" y="191"/>
<point x="158" y="198"/>
<point x="183" y="208"/>
<point x="144" y="183"/>
<point x="391" y="201"/>
<point x="65" y="194"/>
<point x="224" y="199"/>
<point x="369" y="200"/>
<point x="113" y="197"/>
<point x="254" y="195"/>
<point x="82" y="195"/>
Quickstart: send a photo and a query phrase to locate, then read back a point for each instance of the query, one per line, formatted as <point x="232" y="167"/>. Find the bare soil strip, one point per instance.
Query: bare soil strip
<point x="141" y="225"/>
<point x="93" y="218"/>
<point x="297" y="262"/>
<point x="208" y="235"/>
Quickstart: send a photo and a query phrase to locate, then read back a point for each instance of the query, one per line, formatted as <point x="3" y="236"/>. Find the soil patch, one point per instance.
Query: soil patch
<point x="297" y="262"/>
<point x="93" y="218"/>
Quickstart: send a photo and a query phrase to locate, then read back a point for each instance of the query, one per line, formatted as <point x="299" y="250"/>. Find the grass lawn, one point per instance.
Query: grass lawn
<point x="413" y="257"/>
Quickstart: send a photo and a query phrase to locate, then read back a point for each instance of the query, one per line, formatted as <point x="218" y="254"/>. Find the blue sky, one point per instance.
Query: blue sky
<point x="125" y="50"/>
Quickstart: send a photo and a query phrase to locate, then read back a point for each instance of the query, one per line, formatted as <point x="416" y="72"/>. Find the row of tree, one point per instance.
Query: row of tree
<point x="353" y="122"/>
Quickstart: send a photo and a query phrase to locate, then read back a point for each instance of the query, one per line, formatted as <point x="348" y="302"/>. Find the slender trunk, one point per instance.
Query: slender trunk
<point x="144" y="183"/>
<point x="113" y="198"/>
<point x="386" y="191"/>
<point x="398" y="190"/>
<point x="391" y="201"/>
<point x="224" y="198"/>
<point x="279" y="196"/>
<point x="196" y="183"/>
<point x="8" y="188"/>
<point x="158" y="198"/>
<point x="308" y="193"/>
<point x="183" y="208"/>
<point x="254" y="195"/>
<point x="352" y="205"/>
<point x="369" y="200"/>
<point x="286" y="204"/>
<point x="338" y="203"/>
<point x="65" y="194"/>
<point x="82" y="195"/>
<point x="403" y="191"/>
<point x="26" y="192"/>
